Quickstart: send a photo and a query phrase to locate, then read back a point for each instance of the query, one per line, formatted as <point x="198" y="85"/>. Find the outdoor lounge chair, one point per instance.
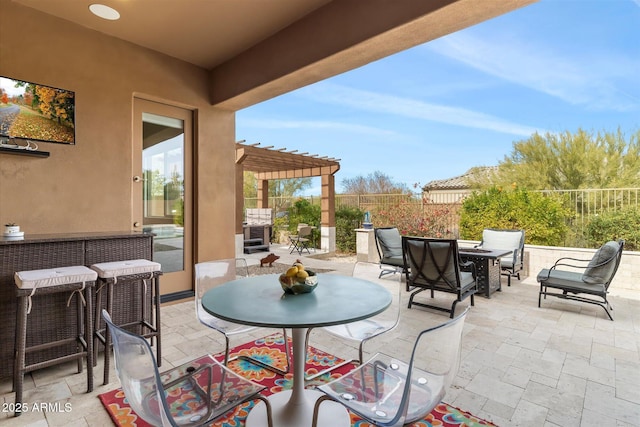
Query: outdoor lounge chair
<point x="591" y="284"/>
<point x="434" y="265"/>
<point x="512" y="240"/>
<point x="389" y="246"/>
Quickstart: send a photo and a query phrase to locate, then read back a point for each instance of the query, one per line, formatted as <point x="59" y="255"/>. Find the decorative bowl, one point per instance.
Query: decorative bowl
<point x="297" y="285"/>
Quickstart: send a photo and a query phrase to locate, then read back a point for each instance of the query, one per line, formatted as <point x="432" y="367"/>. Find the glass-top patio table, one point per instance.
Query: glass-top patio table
<point x="260" y="301"/>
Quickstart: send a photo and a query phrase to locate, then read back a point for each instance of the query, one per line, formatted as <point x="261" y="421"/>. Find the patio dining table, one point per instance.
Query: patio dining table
<point x="260" y="301"/>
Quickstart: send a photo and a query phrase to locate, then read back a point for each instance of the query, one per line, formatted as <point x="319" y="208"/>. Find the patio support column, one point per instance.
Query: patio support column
<point x="239" y="214"/>
<point x="263" y="193"/>
<point x="328" y="213"/>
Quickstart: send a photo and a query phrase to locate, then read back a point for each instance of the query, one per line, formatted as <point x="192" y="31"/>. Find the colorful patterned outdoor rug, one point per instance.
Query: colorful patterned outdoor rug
<point x="270" y="349"/>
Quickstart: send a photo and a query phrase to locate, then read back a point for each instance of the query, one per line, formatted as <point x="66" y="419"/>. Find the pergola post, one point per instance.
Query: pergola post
<point x="328" y="213"/>
<point x="263" y="193"/>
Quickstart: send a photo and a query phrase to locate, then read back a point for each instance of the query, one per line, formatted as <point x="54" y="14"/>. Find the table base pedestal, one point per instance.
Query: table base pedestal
<point x="299" y="414"/>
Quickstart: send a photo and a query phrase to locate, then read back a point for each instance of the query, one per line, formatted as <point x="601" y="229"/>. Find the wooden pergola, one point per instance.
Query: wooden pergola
<point x="269" y="163"/>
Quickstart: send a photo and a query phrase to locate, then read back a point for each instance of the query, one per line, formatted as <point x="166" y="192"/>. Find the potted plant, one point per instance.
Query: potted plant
<point x="11" y="228"/>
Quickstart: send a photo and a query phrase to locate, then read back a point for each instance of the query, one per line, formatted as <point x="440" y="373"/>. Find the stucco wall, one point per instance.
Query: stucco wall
<point x="87" y="186"/>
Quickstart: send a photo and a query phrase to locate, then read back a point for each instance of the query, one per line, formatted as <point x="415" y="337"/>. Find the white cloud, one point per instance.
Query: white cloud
<point x="314" y="124"/>
<point x="405" y="107"/>
<point x="588" y="80"/>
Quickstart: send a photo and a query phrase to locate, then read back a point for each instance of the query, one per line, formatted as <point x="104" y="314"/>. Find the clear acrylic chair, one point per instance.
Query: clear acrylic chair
<point x="388" y="392"/>
<point x="215" y="273"/>
<point x="364" y="330"/>
<point x="192" y="394"/>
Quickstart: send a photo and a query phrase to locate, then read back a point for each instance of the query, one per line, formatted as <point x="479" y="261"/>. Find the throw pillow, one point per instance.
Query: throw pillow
<point x="602" y="264"/>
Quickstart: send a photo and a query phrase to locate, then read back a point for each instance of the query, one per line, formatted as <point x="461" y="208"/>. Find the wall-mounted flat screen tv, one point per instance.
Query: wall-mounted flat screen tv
<point x="36" y="112"/>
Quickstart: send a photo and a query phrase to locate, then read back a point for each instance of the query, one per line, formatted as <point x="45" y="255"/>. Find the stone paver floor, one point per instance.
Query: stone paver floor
<point x="564" y="364"/>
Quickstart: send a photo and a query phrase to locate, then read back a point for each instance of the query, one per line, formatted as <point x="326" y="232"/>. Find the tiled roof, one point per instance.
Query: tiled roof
<point x="460" y="182"/>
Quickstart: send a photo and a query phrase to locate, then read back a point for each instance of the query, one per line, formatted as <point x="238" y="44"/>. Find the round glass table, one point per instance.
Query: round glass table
<point x="260" y="301"/>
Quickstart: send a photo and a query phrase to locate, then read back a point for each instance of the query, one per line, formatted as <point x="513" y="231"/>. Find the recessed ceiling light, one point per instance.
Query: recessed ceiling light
<point x="104" y="12"/>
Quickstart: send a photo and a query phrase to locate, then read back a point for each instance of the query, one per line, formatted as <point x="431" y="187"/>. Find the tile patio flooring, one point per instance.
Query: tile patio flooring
<point x="564" y="364"/>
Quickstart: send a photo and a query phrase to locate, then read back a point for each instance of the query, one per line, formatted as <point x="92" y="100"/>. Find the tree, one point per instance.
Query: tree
<point x="572" y="161"/>
<point x="250" y="185"/>
<point x="277" y="187"/>
<point x="374" y="183"/>
<point x="280" y="189"/>
<point x="288" y="187"/>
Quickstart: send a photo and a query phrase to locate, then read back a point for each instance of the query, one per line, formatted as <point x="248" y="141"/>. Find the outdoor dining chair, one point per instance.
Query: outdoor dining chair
<point x="434" y="265"/>
<point x="215" y="273"/>
<point x="192" y="394"/>
<point x="301" y="241"/>
<point x="364" y="330"/>
<point x="293" y="237"/>
<point x="513" y="240"/>
<point x="389" y="392"/>
<point x="389" y="246"/>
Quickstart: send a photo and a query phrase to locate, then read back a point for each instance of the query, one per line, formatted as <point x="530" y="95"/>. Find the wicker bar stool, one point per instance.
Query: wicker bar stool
<point x="141" y="315"/>
<point x="49" y="337"/>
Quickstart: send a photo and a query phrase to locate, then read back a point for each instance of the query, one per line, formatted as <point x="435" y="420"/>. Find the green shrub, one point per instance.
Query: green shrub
<point x="303" y="211"/>
<point x="543" y="217"/>
<point x="620" y="224"/>
<point x="178" y="215"/>
<point x="347" y="220"/>
<point x="279" y="223"/>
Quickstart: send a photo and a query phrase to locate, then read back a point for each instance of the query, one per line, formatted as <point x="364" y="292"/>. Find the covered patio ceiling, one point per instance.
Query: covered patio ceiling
<point x="269" y="163"/>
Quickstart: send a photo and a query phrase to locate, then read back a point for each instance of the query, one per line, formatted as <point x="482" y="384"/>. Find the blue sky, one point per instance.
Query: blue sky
<point x="438" y="109"/>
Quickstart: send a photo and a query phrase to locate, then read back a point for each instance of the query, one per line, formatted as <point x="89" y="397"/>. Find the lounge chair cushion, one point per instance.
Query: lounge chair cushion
<point x="390" y="244"/>
<point x="440" y="253"/>
<point x="602" y="273"/>
<point x="570" y="281"/>
<point x="505" y="240"/>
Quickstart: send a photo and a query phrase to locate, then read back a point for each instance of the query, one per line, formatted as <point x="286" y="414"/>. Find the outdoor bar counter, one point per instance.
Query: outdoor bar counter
<point x="34" y="252"/>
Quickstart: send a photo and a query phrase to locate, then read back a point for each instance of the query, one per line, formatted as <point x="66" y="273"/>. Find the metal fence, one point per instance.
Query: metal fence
<point x="586" y="204"/>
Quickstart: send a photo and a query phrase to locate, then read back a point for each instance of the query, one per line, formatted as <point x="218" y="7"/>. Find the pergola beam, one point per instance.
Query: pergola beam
<point x="299" y="173"/>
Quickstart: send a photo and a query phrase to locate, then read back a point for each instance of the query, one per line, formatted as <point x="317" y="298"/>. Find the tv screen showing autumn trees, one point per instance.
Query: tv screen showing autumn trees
<point x="36" y="112"/>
